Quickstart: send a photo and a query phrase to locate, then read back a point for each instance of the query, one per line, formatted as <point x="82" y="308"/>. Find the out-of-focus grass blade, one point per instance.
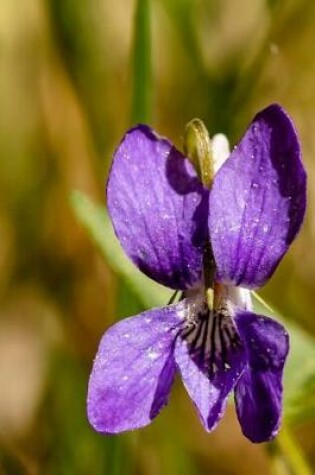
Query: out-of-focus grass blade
<point x="272" y="4"/>
<point x="181" y="13"/>
<point x="141" y="74"/>
<point x="299" y="382"/>
<point x="97" y="223"/>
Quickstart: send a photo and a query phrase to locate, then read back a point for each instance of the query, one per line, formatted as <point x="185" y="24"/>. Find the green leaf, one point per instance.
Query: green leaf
<point x="142" y="74"/>
<point x="97" y="223"/>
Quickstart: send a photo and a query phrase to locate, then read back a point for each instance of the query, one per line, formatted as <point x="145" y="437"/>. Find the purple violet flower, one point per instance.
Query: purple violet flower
<point x="165" y="220"/>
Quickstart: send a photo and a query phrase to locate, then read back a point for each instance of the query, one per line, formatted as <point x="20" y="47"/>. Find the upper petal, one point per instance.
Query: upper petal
<point x="258" y="201"/>
<point x="258" y="392"/>
<point x="210" y="358"/>
<point x="133" y="371"/>
<point x="159" y="208"/>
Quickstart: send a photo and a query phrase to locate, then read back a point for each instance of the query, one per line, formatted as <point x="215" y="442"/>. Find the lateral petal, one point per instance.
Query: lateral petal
<point x="258" y="200"/>
<point x="159" y="208"/>
<point x="258" y="392"/>
<point x="133" y="371"/>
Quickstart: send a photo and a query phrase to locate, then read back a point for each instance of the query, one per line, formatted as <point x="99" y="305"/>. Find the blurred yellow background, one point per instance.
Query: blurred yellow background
<point x="65" y="99"/>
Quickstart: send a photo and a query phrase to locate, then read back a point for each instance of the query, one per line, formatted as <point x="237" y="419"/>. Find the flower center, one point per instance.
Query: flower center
<point x="231" y="297"/>
<point x="211" y="336"/>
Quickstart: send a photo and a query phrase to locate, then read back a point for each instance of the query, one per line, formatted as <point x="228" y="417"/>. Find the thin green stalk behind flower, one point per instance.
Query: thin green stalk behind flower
<point x="292" y="453"/>
<point x="141" y="73"/>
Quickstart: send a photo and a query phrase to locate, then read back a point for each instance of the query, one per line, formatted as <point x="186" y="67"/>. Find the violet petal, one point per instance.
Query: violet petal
<point x="133" y="370"/>
<point x="159" y="208"/>
<point x="258" y="393"/>
<point x="208" y="375"/>
<point x="258" y="201"/>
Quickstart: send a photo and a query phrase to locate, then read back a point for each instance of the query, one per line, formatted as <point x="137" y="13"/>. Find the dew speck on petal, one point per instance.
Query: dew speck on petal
<point x="153" y="355"/>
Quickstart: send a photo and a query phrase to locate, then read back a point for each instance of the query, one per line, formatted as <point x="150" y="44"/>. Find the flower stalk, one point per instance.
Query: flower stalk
<point x="287" y="445"/>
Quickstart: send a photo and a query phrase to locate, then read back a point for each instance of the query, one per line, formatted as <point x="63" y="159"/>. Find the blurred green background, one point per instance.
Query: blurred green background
<point x="74" y="76"/>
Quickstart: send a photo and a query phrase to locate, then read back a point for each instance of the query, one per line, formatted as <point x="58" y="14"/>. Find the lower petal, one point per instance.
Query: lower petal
<point x="133" y="371"/>
<point x="258" y="393"/>
<point x="210" y="359"/>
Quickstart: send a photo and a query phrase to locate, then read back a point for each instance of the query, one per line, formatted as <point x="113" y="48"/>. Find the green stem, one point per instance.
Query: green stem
<point x="142" y="71"/>
<point x="296" y="463"/>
